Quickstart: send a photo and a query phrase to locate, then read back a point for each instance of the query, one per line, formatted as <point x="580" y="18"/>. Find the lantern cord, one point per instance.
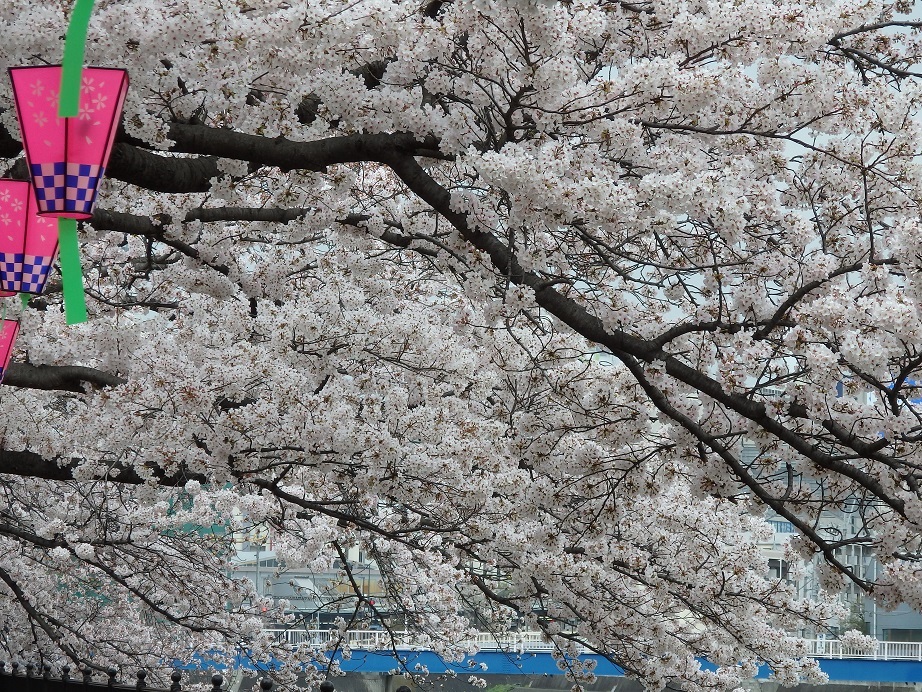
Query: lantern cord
<point x="72" y="66"/>
<point x="71" y="272"/>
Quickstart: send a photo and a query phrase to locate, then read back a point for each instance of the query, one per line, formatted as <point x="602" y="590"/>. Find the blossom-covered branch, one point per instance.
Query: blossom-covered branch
<point x="540" y="306"/>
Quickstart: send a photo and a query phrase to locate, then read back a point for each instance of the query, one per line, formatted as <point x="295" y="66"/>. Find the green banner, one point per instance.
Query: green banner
<point x="71" y="272"/>
<point x="69" y="107"/>
<point x="72" y="66"/>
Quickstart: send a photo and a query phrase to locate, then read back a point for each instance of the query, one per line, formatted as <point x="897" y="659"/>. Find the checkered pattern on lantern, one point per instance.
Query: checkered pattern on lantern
<point x="11" y="270"/>
<point x="35" y="270"/>
<point x="64" y="186"/>
<point x="48" y="181"/>
<point x="23" y="273"/>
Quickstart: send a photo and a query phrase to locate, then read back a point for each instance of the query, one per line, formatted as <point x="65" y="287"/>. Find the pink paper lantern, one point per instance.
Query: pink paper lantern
<point x="28" y="242"/>
<point x="8" y="332"/>
<point x="67" y="156"/>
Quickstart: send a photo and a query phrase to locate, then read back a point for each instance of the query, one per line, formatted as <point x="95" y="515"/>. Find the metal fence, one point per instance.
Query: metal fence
<point x="535" y="642"/>
<point x="383" y="640"/>
<point x="35" y="678"/>
<point x="885" y="651"/>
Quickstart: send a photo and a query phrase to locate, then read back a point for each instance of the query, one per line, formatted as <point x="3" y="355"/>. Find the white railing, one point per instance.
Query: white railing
<point x="382" y="640"/>
<point x="885" y="651"/>
<point x="521" y="642"/>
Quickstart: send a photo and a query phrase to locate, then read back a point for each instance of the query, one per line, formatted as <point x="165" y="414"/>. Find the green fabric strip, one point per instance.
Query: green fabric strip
<point x="24" y="298"/>
<point x="72" y="66"/>
<point x="71" y="273"/>
<point x="69" y="107"/>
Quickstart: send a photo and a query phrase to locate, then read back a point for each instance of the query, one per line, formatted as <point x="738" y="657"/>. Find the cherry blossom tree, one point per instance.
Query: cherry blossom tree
<point x="494" y="291"/>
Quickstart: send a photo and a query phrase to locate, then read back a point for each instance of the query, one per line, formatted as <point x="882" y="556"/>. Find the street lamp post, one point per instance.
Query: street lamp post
<point x="258" y="548"/>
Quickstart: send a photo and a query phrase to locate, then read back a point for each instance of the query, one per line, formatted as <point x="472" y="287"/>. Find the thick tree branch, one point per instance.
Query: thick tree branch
<point x="159" y="173"/>
<point x="148" y="170"/>
<point x="68" y="378"/>
<point x="32" y="465"/>
<point x="133" y="224"/>
<point x="289" y="155"/>
<point x="164" y="173"/>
